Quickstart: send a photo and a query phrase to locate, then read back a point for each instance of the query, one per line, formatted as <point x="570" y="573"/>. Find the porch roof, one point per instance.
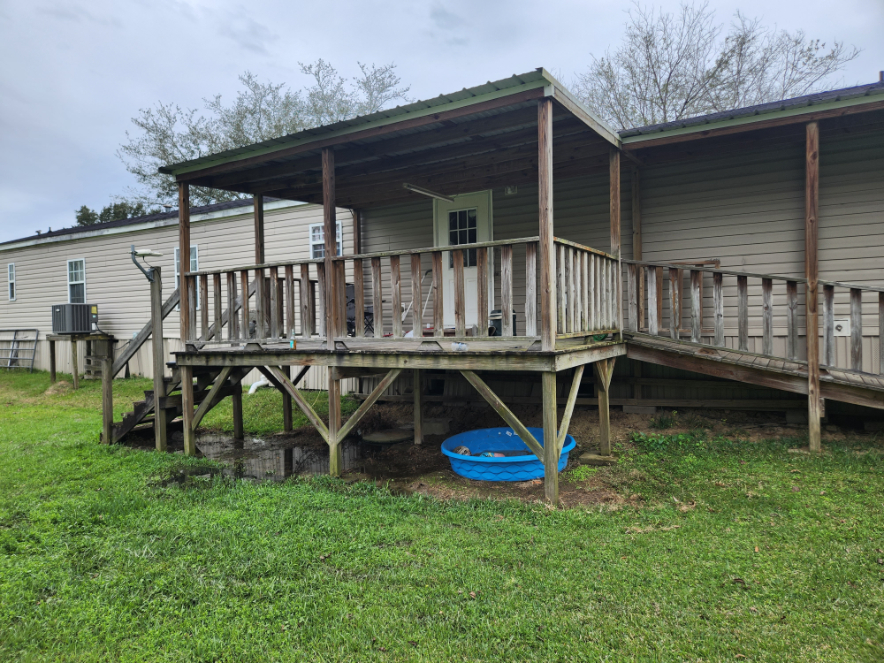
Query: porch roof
<point x="477" y="138"/>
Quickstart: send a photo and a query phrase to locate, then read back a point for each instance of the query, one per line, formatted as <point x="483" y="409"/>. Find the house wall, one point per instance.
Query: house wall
<point x="121" y="291"/>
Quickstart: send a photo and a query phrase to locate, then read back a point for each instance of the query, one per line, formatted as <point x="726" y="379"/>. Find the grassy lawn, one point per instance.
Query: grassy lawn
<point x="731" y="551"/>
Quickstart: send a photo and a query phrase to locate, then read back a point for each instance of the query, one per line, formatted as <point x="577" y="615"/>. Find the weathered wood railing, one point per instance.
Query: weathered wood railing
<point x="587" y="290"/>
<point x="645" y="286"/>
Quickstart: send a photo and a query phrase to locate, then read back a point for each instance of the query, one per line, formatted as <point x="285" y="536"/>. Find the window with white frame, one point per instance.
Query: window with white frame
<point x="194" y="266"/>
<point x="317" y="240"/>
<point x="11" y="273"/>
<point x="77" y="281"/>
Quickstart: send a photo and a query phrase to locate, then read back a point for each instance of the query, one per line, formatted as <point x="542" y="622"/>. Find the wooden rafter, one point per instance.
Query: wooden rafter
<point x="506" y="414"/>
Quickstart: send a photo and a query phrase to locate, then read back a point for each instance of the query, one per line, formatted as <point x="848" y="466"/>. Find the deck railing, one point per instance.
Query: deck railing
<point x="645" y="282"/>
<point x="374" y="302"/>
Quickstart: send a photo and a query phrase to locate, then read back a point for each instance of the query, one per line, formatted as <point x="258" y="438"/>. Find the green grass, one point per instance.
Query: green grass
<point x="730" y="550"/>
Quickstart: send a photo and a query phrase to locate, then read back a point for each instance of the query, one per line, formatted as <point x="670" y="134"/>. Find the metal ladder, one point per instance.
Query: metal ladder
<point x="19" y="350"/>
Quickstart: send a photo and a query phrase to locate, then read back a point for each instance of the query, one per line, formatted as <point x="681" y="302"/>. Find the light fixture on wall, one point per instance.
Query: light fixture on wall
<point x="144" y="253"/>
<point x="427" y="192"/>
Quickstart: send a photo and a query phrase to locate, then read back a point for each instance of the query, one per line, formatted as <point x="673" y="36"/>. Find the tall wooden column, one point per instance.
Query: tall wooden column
<point x="614" y="172"/>
<point x="160" y="422"/>
<point x="550" y="435"/>
<point x="635" y="190"/>
<point x="330" y="227"/>
<point x="545" y="210"/>
<point x="107" y="400"/>
<point x="259" y="228"/>
<point x="417" y="389"/>
<point x="184" y="257"/>
<point x="335" y="457"/>
<point x="811" y="272"/>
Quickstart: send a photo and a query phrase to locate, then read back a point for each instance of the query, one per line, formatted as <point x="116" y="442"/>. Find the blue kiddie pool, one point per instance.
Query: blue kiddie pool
<point x="516" y="462"/>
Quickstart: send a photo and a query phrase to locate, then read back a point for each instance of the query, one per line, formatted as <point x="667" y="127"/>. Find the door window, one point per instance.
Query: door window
<point x="462" y="230"/>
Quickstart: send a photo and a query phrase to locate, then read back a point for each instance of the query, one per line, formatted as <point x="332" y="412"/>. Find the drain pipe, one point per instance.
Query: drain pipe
<point x="263" y="382"/>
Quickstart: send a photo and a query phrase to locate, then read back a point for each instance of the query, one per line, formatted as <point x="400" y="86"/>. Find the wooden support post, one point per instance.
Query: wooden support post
<point x="811" y="273"/>
<point x="460" y="320"/>
<point x="637" y="250"/>
<point x="184" y="257"/>
<point x="743" y="313"/>
<point x="259" y="228"/>
<point x="506" y="289"/>
<point x="482" y="288"/>
<point x="767" y="316"/>
<point x="617" y="277"/>
<point x="548" y="297"/>
<point x="792" y="320"/>
<point x="330" y="227"/>
<point x="531" y="289"/>
<point x="604" y="371"/>
<point x="550" y="437"/>
<point x="856" y="329"/>
<point x="569" y="406"/>
<point x="396" y="287"/>
<point x="161" y="415"/>
<point x="52" y="376"/>
<point x="187" y="411"/>
<point x="417" y="389"/>
<point x="75" y="364"/>
<point x="107" y="400"/>
<point x="335" y="455"/>
<point x="718" y="305"/>
<point x="287" y="405"/>
<point x="417" y="299"/>
<point x="236" y="402"/>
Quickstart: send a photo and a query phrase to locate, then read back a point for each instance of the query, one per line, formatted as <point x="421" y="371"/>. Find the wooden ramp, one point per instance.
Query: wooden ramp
<point x="835" y="383"/>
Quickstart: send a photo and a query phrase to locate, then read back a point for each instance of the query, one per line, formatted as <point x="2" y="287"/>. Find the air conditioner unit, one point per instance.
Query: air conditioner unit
<point x="74" y="318"/>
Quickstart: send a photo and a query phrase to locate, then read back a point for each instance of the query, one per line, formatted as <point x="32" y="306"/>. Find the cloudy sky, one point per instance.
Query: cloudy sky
<point x="73" y="73"/>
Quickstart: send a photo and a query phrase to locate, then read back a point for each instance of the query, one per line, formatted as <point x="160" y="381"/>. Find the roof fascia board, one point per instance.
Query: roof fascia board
<point x="244" y="211"/>
<point x="761" y="119"/>
<point x="561" y="94"/>
<point x="345" y="134"/>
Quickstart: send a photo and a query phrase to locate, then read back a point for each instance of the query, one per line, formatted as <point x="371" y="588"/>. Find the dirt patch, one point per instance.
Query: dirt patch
<point x="61" y="387"/>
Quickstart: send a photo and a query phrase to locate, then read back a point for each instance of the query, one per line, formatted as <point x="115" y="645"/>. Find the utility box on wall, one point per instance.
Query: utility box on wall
<point x="74" y="318"/>
<point x="842" y="326"/>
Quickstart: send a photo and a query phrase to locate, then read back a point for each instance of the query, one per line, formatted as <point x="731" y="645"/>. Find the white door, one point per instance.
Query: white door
<point x="465" y="221"/>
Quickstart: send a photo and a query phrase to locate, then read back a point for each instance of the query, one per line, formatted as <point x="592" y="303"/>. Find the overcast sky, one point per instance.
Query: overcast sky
<point x="75" y="73"/>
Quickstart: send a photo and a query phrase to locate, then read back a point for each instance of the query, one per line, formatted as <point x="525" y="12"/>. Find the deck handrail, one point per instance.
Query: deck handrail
<point x="442" y="249"/>
<point x="583" y="247"/>
<point x="265" y="265"/>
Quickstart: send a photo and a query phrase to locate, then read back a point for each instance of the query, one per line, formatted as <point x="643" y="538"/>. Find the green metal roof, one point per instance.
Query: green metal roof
<point x="515" y="84"/>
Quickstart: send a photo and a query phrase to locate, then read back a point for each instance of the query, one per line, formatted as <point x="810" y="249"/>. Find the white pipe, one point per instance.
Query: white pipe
<point x="263" y="382"/>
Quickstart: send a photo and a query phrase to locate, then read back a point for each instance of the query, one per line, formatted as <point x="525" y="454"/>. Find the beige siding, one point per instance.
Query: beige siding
<point x="121" y="291"/>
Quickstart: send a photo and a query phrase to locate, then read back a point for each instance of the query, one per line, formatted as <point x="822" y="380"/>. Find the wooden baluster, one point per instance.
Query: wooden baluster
<point x="232" y="326"/>
<point x="203" y="305"/>
<point x="829" y="325"/>
<point x="674" y="303"/>
<point x="560" y="288"/>
<point x="482" y="285"/>
<point x="289" y="328"/>
<point x="659" y="272"/>
<point x="531" y="289"/>
<point x="696" y="306"/>
<point x="307" y="306"/>
<point x="653" y="321"/>
<point x="244" y="283"/>
<point x="718" y="303"/>
<point x="358" y="298"/>
<point x="216" y="300"/>
<point x="506" y="289"/>
<point x="320" y="299"/>
<point x="574" y="266"/>
<point x="190" y="282"/>
<point x="881" y="333"/>
<point x="377" y="298"/>
<point x="274" y="302"/>
<point x="856" y="329"/>
<point x="632" y="293"/>
<point x="460" y="321"/>
<point x="598" y="288"/>
<point x="417" y="296"/>
<point x="568" y="272"/>
<point x="396" y="285"/>
<point x="792" y="320"/>
<point x="260" y="305"/>
<point x="743" y="312"/>
<point x="438" y="297"/>
<point x="585" y="306"/>
<point x="767" y="312"/>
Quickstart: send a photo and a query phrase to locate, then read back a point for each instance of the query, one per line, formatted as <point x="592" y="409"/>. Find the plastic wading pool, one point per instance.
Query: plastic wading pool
<point x="506" y="468"/>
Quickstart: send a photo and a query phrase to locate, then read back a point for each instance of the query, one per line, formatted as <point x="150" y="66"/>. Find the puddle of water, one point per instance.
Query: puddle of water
<point x="276" y="458"/>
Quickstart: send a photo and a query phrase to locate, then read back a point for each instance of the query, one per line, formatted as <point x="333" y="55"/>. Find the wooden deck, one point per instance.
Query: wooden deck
<point x="788" y="375"/>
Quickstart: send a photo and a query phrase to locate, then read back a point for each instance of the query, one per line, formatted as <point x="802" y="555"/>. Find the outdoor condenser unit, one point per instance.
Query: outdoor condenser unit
<point x="74" y="318"/>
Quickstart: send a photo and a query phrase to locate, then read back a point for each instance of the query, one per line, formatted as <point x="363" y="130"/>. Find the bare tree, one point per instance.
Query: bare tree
<point x="261" y="111"/>
<point x="674" y="66"/>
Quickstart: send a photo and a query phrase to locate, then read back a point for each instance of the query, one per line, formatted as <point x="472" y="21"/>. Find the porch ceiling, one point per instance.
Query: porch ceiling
<point x="479" y="139"/>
